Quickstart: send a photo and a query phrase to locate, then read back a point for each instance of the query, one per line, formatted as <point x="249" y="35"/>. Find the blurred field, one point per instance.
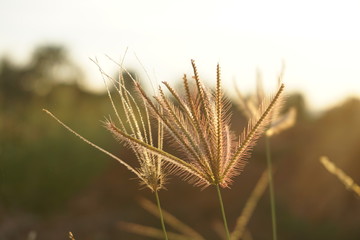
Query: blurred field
<point x="52" y="183"/>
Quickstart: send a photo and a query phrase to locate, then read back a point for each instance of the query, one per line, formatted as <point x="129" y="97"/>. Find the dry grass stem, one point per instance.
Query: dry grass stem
<point x="343" y="177"/>
<point x="71" y="236"/>
<point x="278" y="123"/>
<point x="242" y="221"/>
<point x="171" y="220"/>
<point x="283" y="122"/>
<point x="149" y="231"/>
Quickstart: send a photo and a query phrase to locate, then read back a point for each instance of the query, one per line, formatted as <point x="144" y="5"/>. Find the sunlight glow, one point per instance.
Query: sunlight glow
<point x="318" y="40"/>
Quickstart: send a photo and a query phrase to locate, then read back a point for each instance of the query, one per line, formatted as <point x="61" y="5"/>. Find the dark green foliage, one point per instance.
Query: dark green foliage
<point x="41" y="165"/>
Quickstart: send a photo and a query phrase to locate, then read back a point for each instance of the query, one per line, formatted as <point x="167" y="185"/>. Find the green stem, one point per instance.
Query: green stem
<point x="271" y="187"/>
<point x="161" y="215"/>
<point x="223" y="212"/>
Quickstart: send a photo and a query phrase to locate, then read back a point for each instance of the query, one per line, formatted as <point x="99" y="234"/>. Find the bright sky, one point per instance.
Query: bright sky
<point x="319" y="41"/>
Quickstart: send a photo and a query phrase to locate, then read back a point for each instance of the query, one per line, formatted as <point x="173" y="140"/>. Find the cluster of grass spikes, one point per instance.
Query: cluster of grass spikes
<point x="197" y="122"/>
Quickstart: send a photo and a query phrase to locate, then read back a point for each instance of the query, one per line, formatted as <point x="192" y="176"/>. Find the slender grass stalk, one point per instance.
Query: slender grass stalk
<point x="271" y="187"/>
<point x="341" y="175"/>
<point x="161" y="215"/>
<point x="223" y="212"/>
<point x="240" y="230"/>
<point x="171" y="220"/>
<point x="149" y="232"/>
<point x="278" y="123"/>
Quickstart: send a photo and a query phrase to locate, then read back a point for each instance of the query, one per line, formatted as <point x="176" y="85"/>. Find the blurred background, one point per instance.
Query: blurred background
<point x="51" y="182"/>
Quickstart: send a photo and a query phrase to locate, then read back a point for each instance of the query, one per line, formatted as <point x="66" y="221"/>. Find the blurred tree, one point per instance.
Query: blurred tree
<point x="8" y="72"/>
<point x="297" y="100"/>
<point x="49" y="65"/>
<point x="29" y="178"/>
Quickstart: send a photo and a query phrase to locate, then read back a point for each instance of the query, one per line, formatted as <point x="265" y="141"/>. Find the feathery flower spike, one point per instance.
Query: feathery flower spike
<point x="341" y="175"/>
<point x="135" y="121"/>
<point x="249" y="107"/>
<point x="198" y="124"/>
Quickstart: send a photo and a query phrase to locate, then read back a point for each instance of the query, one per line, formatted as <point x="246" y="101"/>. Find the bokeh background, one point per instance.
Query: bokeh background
<point x="52" y="183"/>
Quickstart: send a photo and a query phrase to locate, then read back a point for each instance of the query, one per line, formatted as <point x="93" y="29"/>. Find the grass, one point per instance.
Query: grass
<point x="277" y="124"/>
<point x="208" y="152"/>
<point x="197" y="121"/>
<point x="341" y="175"/>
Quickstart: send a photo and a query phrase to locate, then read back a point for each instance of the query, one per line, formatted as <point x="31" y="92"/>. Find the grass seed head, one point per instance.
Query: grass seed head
<point x="198" y="122"/>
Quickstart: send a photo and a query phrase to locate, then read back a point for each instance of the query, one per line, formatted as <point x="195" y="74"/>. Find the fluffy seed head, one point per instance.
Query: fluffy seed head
<point x="198" y="123"/>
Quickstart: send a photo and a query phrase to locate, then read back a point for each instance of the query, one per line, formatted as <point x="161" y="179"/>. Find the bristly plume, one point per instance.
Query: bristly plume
<point x="198" y="122"/>
<point x="134" y="120"/>
<point x="341" y="175"/>
<point x="249" y="107"/>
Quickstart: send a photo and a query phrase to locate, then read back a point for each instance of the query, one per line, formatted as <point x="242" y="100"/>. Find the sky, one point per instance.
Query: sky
<point x="318" y="42"/>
